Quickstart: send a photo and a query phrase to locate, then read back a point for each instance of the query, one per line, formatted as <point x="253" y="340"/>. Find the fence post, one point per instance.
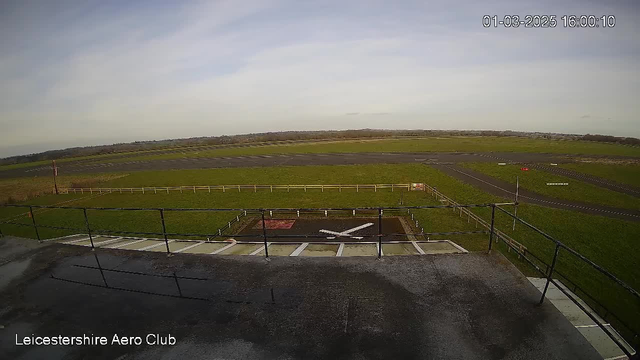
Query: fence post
<point x="379" y="233"/>
<point x="493" y="217"/>
<point x="553" y="265"/>
<point x="164" y="231"/>
<point x="194" y="189"/>
<point x="33" y="219"/>
<point x="86" y="221"/>
<point x="264" y="235"/>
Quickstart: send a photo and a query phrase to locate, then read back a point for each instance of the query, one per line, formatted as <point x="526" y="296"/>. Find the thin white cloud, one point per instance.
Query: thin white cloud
<point x="214" y="68"/>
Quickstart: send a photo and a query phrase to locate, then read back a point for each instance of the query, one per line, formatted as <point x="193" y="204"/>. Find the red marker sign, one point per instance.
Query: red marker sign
<point x="524" y="169"/>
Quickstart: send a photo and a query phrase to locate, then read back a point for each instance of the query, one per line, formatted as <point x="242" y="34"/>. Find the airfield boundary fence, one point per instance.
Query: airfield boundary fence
<point x="548" y="271"/>
<point x="236" y="188"/>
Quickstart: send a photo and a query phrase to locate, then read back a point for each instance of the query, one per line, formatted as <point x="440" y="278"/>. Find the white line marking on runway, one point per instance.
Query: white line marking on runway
<point x="189" y="247"/>
<point x="155" y="245"/>
<point x="125" y="244"/>
<point x="299" y="249"/>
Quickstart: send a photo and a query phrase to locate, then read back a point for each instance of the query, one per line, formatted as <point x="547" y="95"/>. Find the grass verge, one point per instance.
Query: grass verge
<point x="439" y="144"/>
<point x="625" y="174"/>
<point x="536" y="180"/>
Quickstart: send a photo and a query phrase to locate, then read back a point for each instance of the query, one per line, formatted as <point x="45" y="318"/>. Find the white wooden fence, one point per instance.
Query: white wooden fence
<point x="236" y="188"/>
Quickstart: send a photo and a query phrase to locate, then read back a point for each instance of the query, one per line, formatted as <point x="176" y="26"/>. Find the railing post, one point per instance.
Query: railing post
<point x="379" y="233"/>
<point x="164" y="231"/>
<point x="493" y="217"/>
<point x="33" y="219"/>
<point x="264" y="234"/>
<point x="553" y="265"/>
<point x="86" y="221"/>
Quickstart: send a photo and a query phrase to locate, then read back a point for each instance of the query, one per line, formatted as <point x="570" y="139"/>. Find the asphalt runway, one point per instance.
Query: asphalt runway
<point x="507" y="190"/>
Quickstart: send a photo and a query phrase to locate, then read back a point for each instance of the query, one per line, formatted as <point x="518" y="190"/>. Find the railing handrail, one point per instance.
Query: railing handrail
<point x="241" y="186"/>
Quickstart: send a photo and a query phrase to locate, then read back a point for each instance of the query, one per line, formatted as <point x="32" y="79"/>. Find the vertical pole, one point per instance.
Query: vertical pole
<point x="164" y="231"/>
<point x="33" y="219"/>
<point x="515" y="207"/>
<point x="55" y="175"/>
<point x="86" y="221"/>
<point x="264" y="235"/>
<point x="493" y="217"/>
<point x="379" y="233"/>
<point x="553" y="265"/>
<point x="101" y="272"/>
<point x="175" y="277"/>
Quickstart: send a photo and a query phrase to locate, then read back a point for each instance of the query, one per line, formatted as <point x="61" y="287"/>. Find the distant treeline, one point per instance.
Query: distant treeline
<point x="294" y="136"/>
<point x="612" y="139"/>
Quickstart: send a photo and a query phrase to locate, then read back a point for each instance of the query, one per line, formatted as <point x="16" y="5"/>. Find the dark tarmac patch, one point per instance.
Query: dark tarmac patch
<point x="476" y="306"/>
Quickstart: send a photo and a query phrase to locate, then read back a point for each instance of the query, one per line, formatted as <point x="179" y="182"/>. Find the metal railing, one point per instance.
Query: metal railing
<point x="237" y="188"/>
<point x="478" y="220"/>
<point x="550" y="271"/>
<point x="520" y="250"/>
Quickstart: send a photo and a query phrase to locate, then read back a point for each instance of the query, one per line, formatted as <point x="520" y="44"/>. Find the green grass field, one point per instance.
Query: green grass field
<point x="445" y="144"/>
<point x="622" y="173"/>
<point x="536" y="180"/>
<point x="608" y="242"/>
<point x="452" y="144"/>
<point x="21" y="189"/>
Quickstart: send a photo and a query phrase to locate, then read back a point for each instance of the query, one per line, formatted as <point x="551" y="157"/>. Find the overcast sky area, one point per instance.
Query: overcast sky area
<point x="75" y="73"/>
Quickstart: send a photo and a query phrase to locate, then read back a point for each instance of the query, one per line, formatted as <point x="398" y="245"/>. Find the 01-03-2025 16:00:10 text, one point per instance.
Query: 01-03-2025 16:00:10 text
<point x="549" y="21"/>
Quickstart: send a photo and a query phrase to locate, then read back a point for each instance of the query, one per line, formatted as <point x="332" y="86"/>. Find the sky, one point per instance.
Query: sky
<point x="77" y="73"/>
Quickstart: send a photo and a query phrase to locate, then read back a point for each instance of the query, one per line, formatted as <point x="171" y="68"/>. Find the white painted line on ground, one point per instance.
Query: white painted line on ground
<point x="189" y="247"/>
<point x="107" y="241"/>
<point x="379" y="250"/>
<point x="340" y="249"/>
<point x="257" y="251"/>
<point x="62" y="237"/>
<point x="457" y="246"/>
<point x="299" y="249"/>
<point x="617" y="357"/>
<point x="223" y="248"/>
<point x="75" y="241"/>
<point x="155" y="245"/>
<point x="591" y="326"/>
<point x="415" y="245"/>
<point x="125" y="244"/>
